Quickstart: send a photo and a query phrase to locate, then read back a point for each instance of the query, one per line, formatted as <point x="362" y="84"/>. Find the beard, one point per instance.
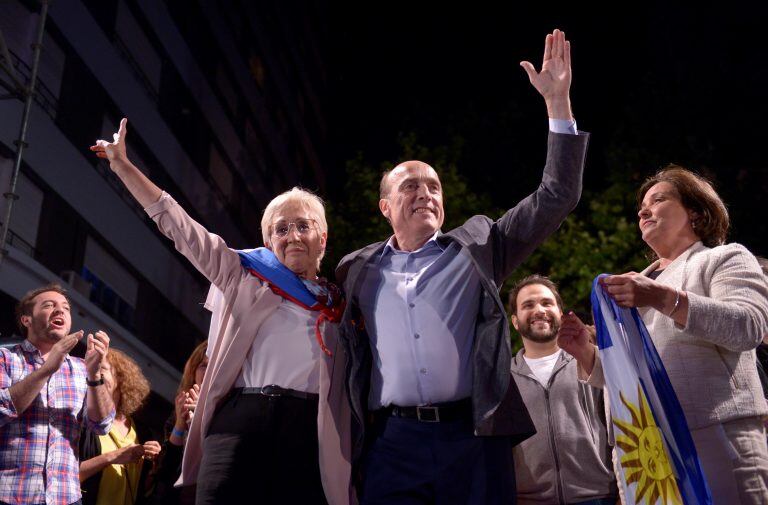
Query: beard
<point x="541" y="336"/>
<point x="40" y="328"/>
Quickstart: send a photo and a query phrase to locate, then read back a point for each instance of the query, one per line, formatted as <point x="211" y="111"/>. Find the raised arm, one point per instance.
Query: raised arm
<point x="99" y="406"/>
<point x="207" y="252"/>
<point x="143" y="190"/>
<point x="525" y="226"/>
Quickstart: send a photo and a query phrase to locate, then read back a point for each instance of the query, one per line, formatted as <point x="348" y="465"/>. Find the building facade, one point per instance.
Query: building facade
<point x="225" y="107"/>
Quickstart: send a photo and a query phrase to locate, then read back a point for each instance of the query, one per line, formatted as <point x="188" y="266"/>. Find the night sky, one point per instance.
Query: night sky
<point x="654" y="85"/>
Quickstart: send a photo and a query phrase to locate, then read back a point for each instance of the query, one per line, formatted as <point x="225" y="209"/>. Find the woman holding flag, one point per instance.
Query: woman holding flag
<point x="272" y="419"/>
<point x="705" y="306"/>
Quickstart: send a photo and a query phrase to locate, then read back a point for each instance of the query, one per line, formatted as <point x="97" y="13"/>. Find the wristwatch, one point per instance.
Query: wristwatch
<point x="97" y="382"/>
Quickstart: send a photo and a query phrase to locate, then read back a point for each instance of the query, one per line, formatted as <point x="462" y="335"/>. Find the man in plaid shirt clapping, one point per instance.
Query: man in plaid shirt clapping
<point x="45" y="396"/>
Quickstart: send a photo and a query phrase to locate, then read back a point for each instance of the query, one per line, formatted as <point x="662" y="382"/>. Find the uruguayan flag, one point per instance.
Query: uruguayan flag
<point x="657" y="459"/>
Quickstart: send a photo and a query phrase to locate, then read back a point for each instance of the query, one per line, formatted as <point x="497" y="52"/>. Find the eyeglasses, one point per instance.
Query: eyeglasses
<point x="303" y="227"/>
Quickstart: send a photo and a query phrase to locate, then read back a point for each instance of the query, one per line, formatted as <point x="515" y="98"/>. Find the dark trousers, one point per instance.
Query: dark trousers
<point x="415" y="463"/>
<point x="261" y="449"/>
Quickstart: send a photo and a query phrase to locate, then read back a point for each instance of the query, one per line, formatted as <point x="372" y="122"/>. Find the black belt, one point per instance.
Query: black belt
<point x="448" y="411"/>
<point x="275" y="390"/>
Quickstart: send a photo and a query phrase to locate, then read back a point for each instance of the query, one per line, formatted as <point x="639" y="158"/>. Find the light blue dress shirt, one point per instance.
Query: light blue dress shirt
<point x="420" y="310"/>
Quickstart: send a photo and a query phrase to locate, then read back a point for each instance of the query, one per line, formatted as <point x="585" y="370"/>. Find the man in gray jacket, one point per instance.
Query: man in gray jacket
<point x="569" y="458"/>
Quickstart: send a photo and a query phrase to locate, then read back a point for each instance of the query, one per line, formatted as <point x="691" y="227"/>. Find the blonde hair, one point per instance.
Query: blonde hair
<point x="129" y="381"/>
<point x="302" y="198"/>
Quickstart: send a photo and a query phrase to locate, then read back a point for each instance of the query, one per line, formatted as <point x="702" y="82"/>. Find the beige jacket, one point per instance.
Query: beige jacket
<point x="248" y="302"/>
<point x="711" y="360"/>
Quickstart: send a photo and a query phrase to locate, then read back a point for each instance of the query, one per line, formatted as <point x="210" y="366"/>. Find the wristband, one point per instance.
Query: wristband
<point x="179" y="433"/>
<point x="95" y="383"/>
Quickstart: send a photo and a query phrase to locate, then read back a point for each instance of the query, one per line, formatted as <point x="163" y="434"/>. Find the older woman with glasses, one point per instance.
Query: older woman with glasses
<point x="705" y="304"/>
<point x="272" y="419"/>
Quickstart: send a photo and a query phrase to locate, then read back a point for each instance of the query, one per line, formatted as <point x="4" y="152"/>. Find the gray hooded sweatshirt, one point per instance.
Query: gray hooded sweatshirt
<point x="569" y="458"/>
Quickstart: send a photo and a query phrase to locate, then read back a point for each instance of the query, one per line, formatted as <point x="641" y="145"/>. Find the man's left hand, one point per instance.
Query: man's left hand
<point x="96" y="351"/>
<point x="554" y="80"/>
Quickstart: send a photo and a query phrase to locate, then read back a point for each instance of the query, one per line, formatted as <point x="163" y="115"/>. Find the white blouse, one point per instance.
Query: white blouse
<point x="285" y="351"/>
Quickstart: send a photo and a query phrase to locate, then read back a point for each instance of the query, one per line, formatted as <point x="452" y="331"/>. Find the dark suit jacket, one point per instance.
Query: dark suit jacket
<point x="495" y="248"/>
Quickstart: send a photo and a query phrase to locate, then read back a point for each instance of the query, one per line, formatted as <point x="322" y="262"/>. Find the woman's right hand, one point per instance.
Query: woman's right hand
<point x="113" y="151"/>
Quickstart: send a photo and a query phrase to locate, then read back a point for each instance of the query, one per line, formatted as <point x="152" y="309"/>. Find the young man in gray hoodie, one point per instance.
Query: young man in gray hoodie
<point x="569" y="458"/>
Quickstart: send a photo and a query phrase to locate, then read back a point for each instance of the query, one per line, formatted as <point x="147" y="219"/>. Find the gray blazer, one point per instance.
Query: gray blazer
<point x="711" y="360"/>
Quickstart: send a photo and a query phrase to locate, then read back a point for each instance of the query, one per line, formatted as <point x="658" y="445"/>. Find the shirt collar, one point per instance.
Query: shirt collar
<point x="389" y="247"/>
<point x="30" y="348"/>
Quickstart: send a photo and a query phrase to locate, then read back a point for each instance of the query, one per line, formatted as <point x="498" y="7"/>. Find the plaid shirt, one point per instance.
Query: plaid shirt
<point x="38" y="447"/>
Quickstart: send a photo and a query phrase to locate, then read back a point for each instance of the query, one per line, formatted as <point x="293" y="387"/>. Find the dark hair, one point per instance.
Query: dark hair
<point x="697" y="195"/>
<point x="527" y="281"/>
<point x="27" y="303"/>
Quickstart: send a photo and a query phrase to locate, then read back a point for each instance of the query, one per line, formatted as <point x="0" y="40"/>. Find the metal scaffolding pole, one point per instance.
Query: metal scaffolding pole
<point x="28" y="93"/>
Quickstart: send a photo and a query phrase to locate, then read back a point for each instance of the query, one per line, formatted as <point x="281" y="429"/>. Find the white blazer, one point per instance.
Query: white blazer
<point x="711" y="360"/>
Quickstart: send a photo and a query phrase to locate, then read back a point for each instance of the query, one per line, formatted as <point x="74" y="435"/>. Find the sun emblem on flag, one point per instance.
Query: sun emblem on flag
<point x="645" y="460"/>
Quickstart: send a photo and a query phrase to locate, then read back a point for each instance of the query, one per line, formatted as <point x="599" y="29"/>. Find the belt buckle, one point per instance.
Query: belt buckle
<point x="271" y="390"/>
<point x="428" y="414"/>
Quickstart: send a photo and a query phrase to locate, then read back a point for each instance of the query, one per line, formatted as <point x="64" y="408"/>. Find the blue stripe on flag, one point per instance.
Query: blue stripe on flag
<point x="640" y="361"/>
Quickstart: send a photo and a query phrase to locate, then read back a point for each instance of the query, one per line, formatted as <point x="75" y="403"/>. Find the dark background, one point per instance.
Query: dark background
<point x="654" y="84"/>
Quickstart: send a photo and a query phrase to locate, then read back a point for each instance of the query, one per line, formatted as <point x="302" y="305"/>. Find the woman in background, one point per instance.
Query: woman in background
<point x="114" y="467"/>
<point x="168" y="466"/>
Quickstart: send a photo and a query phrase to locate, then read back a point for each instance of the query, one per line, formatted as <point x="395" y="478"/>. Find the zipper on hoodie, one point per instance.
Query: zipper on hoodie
<point x="558" y="483"/>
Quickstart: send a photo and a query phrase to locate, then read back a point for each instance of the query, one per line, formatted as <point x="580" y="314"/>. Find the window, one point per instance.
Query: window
<point x="19" y="27"/>
<point x="220" y="172"/>
<point x="113" y="288"/>
<point x="142" y="53"/>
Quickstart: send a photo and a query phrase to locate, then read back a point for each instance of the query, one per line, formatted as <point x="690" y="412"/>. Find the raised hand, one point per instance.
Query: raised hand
<point x="190" y="402"/>
<point x="142" y="189"/>
<point x="554" y="80"/>
<point x="115" y="150"/>
<point x="181" y="411"/>
<point x="96" y="350"/>
<point x="60" y="350"/>
<point x="573" y="338"/>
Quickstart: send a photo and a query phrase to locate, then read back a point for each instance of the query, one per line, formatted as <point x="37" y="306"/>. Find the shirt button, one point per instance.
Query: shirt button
<point x="423" y="371"/>
<point x="411" y="305"/>
<point x="417" y="336"/>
